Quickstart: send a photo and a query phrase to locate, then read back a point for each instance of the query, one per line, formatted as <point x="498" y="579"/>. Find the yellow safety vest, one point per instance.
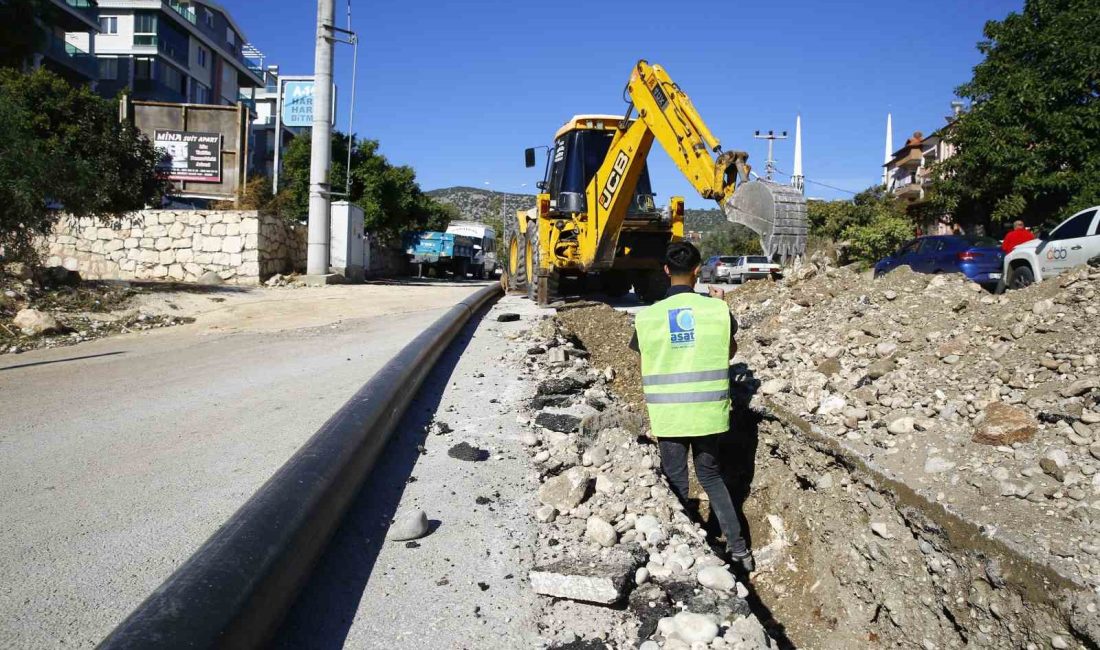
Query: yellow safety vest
<point x="684" y="341"/>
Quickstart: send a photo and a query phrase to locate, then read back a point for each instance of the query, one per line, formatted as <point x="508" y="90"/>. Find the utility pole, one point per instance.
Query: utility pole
<point x="771" y="137"/>
<point x="321" y="147"/>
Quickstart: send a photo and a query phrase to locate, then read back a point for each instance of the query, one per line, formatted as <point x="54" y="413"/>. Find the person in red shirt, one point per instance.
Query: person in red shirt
<point x="1017" y="236"/>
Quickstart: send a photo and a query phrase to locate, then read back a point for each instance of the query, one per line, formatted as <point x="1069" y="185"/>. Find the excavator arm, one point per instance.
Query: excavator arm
<point x="665" y="114"/>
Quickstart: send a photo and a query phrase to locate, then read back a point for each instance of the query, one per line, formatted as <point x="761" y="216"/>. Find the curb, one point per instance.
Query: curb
<point x="234" y="590"/>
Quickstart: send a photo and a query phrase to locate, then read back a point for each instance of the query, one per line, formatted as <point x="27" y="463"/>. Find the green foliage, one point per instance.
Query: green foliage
<point x="62" y="148"/>
<point x="1028" y="147"/>
<point x="869" y="226"/>
<point x="730" y="239"/>
<point x="391" y="199"/>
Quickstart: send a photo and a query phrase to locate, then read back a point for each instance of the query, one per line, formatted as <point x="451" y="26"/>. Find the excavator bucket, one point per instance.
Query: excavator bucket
<point x="775" y="212"/>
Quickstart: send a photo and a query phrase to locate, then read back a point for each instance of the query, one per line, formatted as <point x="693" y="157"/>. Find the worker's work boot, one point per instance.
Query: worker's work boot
<point x="742" y="563"/>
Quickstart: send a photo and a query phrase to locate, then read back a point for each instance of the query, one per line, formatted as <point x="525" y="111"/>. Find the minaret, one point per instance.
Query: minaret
<point x="797" y="181"/>
<point x="889" y="148"/>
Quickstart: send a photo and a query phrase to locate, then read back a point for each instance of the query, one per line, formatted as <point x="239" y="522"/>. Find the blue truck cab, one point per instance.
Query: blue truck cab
<point x="443" y="251"/>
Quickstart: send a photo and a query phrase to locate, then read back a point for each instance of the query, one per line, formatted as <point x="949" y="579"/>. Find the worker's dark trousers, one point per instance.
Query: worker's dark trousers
<point x="704" y="449"/>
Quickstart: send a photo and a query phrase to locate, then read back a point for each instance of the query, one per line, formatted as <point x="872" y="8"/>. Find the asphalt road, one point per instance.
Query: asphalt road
<point x="119" y="457"/>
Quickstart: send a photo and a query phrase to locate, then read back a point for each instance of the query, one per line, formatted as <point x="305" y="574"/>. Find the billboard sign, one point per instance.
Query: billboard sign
<point x="189" y="155"/>
<point x="297" y="103"/>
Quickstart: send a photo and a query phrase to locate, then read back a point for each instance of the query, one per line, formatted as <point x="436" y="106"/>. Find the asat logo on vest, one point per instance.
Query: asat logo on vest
<point x="681" y="327"/>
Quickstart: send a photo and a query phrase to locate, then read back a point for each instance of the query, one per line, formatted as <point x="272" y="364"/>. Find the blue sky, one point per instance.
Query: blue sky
<point x="458" y="89"/>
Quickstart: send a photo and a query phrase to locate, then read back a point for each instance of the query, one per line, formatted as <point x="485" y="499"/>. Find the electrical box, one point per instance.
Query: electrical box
<point x="348" y="247"/>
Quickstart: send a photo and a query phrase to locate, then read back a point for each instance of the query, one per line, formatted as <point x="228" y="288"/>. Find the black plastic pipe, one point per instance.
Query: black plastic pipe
<point x="234" y="591"/>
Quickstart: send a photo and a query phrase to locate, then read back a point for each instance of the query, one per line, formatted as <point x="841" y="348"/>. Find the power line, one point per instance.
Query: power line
<point x="831" y="187"/>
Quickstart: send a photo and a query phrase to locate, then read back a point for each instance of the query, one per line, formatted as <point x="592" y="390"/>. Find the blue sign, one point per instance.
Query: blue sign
<point x="681" y="327"/>
<point x="298" y="103"/>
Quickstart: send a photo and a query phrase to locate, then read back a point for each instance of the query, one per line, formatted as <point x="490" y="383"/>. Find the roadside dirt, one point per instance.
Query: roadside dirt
<point x="91" y="310"/>
<point x="873" y="530"/>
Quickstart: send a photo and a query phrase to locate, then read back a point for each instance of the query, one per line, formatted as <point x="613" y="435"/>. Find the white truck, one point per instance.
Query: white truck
<point x="1074" y="242"/>
<point x="484" y="263"/>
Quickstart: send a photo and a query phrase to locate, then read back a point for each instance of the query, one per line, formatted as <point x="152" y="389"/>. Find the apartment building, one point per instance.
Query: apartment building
<point x="908" y="170"/>
<point x="68" y="28"/>
<point x="172" y="51"/>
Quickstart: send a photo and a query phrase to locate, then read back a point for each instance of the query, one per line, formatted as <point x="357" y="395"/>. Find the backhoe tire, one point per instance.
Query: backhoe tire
<point x="542" y="289"/>
<point x="650" y="286"/>
<point x="615" y="283"/>
<point x="514" y="273"/>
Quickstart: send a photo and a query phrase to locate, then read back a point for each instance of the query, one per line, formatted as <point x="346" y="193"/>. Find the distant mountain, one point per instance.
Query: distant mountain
<point x="476" y="204"/>
<point x="703" y="220"/>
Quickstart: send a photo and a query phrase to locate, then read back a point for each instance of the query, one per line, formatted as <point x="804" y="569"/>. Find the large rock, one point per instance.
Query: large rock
<point x="717" y="578"/>
<point x="593" y="582"/>
<point x="563" y="422"/>
<point x="411" y="525"/>
<point x="882" y="367"/>
<point x="690" y="628"/>
<point x="1080" y="387"/>
<point x="1003" y="425"/>
<point x="567" y="490"/>
<point x="601" y="532"/>
<point x="35" y="323"/>
<point x="562" y="386"/>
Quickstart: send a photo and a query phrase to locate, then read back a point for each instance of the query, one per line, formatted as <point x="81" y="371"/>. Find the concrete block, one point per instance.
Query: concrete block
<point x="599" y="581"/>
<point x="232" y="244"/>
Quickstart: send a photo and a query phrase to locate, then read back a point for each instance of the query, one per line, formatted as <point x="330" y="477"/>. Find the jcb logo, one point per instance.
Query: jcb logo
<point x="616" y="177"/>
<point x="1057" y="254"/>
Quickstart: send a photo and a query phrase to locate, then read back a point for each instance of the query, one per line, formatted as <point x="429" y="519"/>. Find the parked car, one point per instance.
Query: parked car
<point x="752" y="267"/>
<point x="717" y="268"/>
<point x="1074" y="242"/>
<point x="978" y="258"/>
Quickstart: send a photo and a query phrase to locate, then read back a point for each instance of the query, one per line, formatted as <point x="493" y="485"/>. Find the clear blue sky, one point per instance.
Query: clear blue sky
<point x="458" y="89"/>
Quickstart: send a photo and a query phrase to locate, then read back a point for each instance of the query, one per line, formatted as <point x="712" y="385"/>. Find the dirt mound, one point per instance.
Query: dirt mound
<point x="606" y="335"/>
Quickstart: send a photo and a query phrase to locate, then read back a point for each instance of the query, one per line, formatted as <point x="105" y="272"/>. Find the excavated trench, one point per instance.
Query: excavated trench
<point x="848" y="557"/>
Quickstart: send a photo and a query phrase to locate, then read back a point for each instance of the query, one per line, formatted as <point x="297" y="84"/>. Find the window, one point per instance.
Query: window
<point x="202" y="56"/>
<point x="728" y="260"/>
<point x="230" y="36"/>
<point x="759" y="260"/>
<point x="200" y="94"/>
<point x="171" y="77"/>
<point x="1077" y="226"/>
<point x="143" y="68"/>
<point x="208" y="17"/>
<point x="108" y="24"/>
<point x="145" y="29"/>
<point x="108" y="69"/>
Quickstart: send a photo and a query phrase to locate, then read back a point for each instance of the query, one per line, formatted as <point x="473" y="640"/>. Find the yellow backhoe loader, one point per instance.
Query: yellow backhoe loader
<point x="595" y="223"/>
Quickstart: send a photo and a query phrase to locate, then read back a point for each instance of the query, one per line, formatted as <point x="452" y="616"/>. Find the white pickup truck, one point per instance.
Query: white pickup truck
<point x="751" y="267"/>
<point x="1074" y="242"/>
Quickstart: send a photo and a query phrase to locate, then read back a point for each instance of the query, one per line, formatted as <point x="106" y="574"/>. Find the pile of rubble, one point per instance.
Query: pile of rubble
<point x="613" y="533"/>
<point x="52" y="307"/>
<point x="984" y="403"/>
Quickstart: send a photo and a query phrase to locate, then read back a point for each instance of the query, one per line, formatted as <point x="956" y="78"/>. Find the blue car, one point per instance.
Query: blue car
<point x="978" y="258"/>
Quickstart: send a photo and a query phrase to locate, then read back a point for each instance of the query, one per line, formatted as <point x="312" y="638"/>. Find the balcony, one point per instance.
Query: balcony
<point x="70" y="57"/>
<point x="909" y="188"/>
<point x="156" y="91"/>
<point x="76" y="15"/>
<point x="911" y="158"/>
<point x="187" y="12"/>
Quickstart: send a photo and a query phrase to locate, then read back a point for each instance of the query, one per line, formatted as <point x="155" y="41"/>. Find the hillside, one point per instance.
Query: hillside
<point x="482" y="205"/>
<point x="486" y="205"/>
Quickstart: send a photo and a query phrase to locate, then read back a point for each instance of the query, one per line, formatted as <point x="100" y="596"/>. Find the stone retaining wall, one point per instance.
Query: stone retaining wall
<point x="240" y="246"/>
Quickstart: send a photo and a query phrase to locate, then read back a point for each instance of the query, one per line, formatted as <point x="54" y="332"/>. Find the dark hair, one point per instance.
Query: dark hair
<point x="682" y="257"/>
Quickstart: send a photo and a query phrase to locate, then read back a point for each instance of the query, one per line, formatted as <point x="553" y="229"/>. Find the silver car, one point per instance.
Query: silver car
<point x="717" y="268"/>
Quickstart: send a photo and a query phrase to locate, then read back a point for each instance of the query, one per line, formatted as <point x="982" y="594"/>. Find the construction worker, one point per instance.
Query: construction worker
<point x="686" y="342"/>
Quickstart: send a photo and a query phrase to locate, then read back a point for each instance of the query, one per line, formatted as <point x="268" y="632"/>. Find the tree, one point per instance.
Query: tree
<point x="730" y="239"/>
<point x="391" y="199"/>
<point x="63" y="150"/>
<point x="869" y="226"/>
<point x="1028" y="146"/>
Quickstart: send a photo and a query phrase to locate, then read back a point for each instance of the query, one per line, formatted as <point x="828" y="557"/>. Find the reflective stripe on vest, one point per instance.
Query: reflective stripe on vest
<point x="684" y="341"/>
